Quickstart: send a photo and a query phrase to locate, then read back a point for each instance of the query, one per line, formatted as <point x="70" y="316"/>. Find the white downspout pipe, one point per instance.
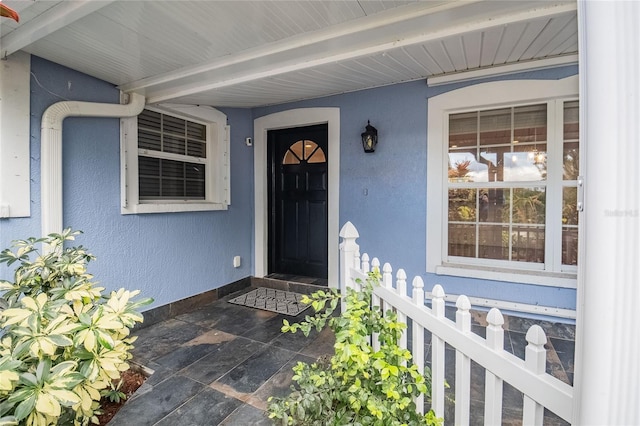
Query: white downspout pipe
<point x="51" y="149"/>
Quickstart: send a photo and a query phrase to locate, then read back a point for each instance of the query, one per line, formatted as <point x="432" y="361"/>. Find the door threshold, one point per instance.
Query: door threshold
<point x="323" y="282"/>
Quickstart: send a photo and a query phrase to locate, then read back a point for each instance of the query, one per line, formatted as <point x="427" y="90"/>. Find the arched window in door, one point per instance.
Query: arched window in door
<point x="304" y="151"/>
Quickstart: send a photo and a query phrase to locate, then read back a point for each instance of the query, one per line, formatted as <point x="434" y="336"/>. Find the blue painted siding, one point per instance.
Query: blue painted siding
<point x="395" y="178"/>
<point x="167" y="256"/>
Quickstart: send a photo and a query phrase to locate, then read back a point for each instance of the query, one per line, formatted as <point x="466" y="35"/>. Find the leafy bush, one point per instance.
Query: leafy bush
<point x="63" y="341"/>
<point x="359" y="386"/>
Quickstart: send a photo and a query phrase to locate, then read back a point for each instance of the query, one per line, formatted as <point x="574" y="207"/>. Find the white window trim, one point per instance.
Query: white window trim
<point x="480" y="96"/>
<point x="15" y="198"/>
<point x="218" y="194"/>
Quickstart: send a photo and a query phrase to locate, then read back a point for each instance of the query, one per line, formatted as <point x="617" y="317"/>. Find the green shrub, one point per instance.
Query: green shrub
<point x="63" y="341"/>
<point x="358" y="386"/>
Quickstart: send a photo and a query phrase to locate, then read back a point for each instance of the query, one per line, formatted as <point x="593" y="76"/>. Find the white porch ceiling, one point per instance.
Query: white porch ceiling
<point x="256" y="53"/>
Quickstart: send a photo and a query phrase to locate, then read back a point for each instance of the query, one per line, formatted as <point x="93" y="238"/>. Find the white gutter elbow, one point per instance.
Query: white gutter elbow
<point x="51" y="149"/>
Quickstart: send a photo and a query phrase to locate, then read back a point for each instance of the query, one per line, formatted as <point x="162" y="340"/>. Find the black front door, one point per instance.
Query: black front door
<point x="298" y="201"/>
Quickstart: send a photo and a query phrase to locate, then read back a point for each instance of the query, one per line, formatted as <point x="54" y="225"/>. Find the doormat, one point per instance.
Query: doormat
<point x="269" y="299"/>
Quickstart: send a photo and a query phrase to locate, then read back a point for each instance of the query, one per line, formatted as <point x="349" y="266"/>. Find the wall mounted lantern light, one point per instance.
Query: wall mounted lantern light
<point x="369" y="138"/>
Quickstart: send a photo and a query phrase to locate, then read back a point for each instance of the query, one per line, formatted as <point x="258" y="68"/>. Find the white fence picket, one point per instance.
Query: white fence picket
<point x="348" y="249"/>
<point x="417" y="337"/>
<point x="493" y="383"/>
<point x="387" y="282"/>
<point x="376" y="302"/>
<point x="540" y="389"/>
<point x="387" y="276"/>
<point x="463" y="364"/>
<point x="401" y="289"/>
<point x="437" y="354"/>
<point x="365" y="264"/>
<point x="375" y="264"/>
<point x="535" y="360"/>
<point x="373" y="339"/>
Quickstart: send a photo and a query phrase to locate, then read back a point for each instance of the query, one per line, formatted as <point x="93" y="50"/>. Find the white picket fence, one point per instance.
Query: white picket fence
<point x="540" y="390"/>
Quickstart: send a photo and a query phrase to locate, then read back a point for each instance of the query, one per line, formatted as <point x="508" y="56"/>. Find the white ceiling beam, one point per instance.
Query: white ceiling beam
<point x="367" y="36"/>
<point x="496" y="70"/>
<point x="62" y="14"/>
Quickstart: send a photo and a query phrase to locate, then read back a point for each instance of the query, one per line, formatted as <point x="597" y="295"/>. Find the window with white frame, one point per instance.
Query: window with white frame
<point x="175" y="158"/>
<point x="509" y="187"/>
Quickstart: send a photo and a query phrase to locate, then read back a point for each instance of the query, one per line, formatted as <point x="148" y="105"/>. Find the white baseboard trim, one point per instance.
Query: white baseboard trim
<point x="512" y="306"/>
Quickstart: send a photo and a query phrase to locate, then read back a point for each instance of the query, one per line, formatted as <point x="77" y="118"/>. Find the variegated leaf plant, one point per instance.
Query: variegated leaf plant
<point x="63" y="341"/>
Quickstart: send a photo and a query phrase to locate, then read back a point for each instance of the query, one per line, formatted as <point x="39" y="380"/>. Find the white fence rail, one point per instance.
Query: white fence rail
<point x="540" y="390"/>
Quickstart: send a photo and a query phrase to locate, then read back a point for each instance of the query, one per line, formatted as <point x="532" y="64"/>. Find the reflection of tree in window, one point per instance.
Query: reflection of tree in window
<point x="462" y="205"/>
<point x="571" y="171"/>
<point x="304" y="151"/>
<point x="528" y="206"/>
<point x="570" y="163"/>
<point x="459" y="169"/>
<point x="571" y="157"/>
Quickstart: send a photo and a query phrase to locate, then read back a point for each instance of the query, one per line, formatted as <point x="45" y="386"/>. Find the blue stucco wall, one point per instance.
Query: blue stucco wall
<point x="391" y="218"/>
<point x="167" y="256"/>
<point x="173" y="256"/>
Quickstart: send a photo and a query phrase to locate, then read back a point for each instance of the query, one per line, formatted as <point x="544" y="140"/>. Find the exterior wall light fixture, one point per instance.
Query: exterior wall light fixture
<point x="369" y="138"/>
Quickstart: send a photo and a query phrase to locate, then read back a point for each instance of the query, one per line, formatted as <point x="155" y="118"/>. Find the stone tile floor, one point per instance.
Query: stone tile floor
<point x="218" y="364"/>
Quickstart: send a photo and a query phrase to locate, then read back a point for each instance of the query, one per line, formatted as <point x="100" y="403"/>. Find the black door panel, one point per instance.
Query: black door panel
<point x="298" y="201"/>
